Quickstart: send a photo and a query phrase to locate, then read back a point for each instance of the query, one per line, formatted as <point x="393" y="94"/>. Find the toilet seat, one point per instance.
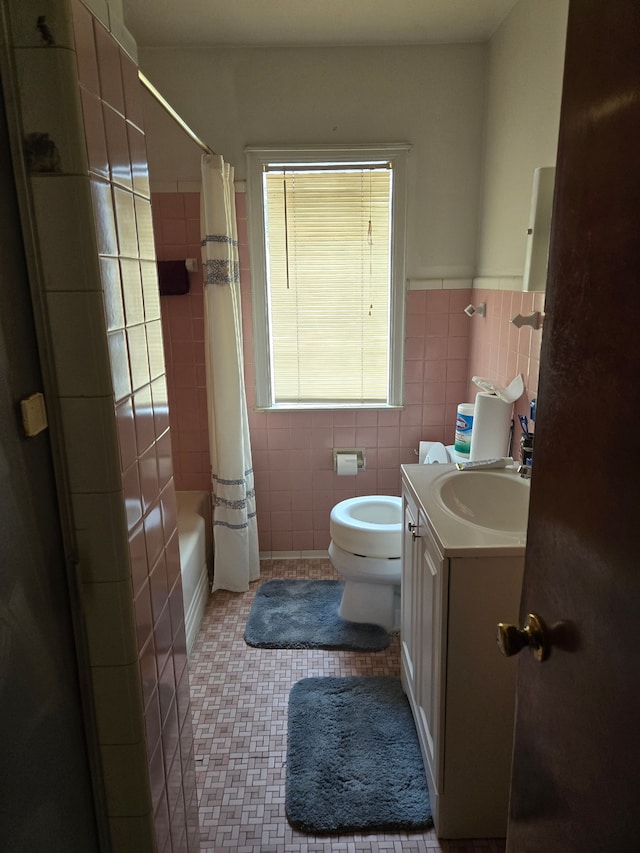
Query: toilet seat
<point x="368" y="526"/>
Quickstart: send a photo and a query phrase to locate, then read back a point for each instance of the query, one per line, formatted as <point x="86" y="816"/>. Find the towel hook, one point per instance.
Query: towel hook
<point x="535" y="320"/>
<point x="481" y="310"/>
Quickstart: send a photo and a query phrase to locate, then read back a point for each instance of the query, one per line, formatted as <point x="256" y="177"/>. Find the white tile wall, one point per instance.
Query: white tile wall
<point x="91" y="442"/>
<point x="52" y="104"/>
<point x="80" y="355"/>
<point x="66" y="235"/>
<point x="125" y="776"/>
<point x="110" y="619"/>
<point x="24" y="27"/>
<point x="104" y="556"/>
<point x="117" y="690"/>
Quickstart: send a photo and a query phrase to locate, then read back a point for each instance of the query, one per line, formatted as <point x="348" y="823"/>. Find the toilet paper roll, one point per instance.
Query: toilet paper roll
<point x="491" y="425"/>
<point x="346" y="464"/>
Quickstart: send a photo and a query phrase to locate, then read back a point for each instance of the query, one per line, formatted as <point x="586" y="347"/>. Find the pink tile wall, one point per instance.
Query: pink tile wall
<point x="499" y="350"/>
<point x="295" y="483"/>
<point x="120" y="189"/>
<point x="292" y="451"/>
<point x="177" y="232"/>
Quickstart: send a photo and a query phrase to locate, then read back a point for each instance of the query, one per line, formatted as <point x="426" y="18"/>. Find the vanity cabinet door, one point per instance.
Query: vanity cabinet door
<point x="408" y="624"/>
<point x="424" y="583"/>
<point x="430" y="572"/>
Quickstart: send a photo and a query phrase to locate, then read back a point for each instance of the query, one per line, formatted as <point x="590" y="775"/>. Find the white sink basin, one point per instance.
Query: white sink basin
<point x="495" y="500"/>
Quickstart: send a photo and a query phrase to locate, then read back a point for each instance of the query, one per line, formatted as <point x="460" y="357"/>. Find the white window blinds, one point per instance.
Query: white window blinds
<point x="328" y="266"/>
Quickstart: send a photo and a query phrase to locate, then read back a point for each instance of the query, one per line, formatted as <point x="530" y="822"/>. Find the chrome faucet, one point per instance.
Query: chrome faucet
<point x="526" y="454"/>
<point x="525" y="470"/>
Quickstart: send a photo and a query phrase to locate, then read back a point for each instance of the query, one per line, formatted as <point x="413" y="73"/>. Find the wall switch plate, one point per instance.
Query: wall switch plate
<point x="34" y="414"/>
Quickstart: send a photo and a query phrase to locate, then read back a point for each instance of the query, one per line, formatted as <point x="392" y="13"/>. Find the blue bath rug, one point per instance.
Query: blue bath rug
<point x="353" y="758"/>
<point x="303" y="614"/>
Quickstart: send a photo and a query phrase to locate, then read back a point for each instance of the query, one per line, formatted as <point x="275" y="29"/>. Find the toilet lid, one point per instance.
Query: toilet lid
<point x="437" y="453"/>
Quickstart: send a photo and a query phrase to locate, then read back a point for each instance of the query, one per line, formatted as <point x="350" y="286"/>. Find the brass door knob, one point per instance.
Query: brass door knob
<point x="512" y="639"/>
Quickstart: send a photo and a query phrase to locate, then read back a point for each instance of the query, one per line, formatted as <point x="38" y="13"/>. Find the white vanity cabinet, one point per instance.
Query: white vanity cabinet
<point x="422" y="630"/>
<point x="460" y="688"/>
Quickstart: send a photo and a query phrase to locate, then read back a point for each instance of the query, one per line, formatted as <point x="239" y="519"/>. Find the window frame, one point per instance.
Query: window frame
<point x="257" y="158"/>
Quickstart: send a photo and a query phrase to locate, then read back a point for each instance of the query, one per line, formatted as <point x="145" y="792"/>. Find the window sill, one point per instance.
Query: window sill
<point x="330" y="407"/>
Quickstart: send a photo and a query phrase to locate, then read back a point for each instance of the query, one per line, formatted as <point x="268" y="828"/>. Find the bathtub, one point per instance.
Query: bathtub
<point x="196" y="554"/>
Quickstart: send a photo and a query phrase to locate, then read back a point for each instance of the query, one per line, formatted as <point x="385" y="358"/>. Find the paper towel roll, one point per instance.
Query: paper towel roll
<point x="491" y="425"/>
<point x="346" y="464"/>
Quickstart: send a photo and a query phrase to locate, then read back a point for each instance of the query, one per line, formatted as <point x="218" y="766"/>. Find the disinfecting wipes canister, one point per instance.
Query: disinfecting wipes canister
<point x="464" y="426"/>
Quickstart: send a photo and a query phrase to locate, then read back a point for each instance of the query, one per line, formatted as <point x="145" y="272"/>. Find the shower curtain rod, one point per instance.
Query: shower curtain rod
<point x="174" y="115"/>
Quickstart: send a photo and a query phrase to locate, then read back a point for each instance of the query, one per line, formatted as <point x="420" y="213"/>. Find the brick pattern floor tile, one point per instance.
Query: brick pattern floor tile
<point x="239" y="698"/>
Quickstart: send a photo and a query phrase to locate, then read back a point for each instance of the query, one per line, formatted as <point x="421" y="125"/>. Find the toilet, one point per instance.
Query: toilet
<point x="365" y="548"/>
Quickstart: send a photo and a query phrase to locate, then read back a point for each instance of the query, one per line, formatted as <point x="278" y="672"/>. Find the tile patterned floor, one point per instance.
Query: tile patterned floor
<point x="239" y="701"/>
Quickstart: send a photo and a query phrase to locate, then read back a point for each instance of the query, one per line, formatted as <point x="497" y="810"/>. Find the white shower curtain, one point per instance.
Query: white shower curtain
<point x="236" y="556"/>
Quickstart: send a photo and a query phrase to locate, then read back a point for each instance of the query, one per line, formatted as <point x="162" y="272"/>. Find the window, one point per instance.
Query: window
<point x="326" y="229"/>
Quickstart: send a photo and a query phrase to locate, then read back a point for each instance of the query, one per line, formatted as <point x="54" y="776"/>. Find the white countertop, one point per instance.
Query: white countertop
<point x="454" y="537"/>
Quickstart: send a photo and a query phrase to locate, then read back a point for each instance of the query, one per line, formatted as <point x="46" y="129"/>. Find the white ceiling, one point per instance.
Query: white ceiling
<point x="312" y="22"/>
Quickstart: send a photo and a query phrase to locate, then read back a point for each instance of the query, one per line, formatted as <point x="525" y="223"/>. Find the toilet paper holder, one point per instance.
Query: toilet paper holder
<point x="349" y="451"/>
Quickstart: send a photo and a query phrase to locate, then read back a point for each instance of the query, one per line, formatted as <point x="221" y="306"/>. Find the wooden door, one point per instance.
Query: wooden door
<point x="576" y="767"/>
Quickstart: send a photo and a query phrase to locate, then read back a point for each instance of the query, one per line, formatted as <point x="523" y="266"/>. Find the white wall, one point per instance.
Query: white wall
<point x="526" y="62"/>
<point x="430" y="96"/>
<point x="174" y="158"/>
<point x="480" y="118"/>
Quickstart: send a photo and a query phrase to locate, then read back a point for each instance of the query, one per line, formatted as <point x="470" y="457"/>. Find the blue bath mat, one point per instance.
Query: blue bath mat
<point x="353" y="758"/>
<point x="303" y="614"/>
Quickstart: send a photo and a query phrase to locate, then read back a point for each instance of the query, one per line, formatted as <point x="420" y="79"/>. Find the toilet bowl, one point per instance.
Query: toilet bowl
<point x="365" y="548"/>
